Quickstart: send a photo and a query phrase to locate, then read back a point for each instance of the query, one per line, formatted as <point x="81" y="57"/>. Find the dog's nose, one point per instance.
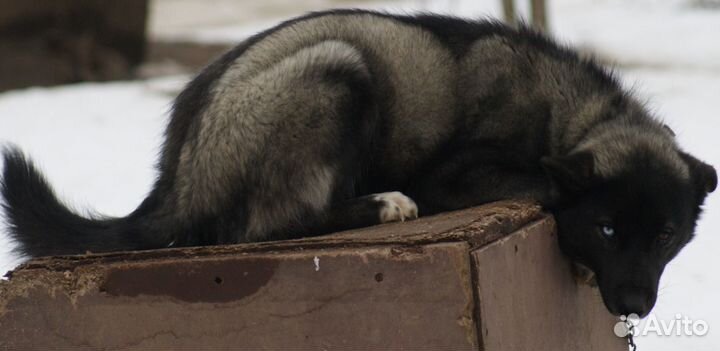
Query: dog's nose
<point x="636" y="301"/>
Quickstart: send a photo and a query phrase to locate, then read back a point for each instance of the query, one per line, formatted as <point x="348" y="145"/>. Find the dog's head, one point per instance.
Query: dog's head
<point x="627" y="226"/>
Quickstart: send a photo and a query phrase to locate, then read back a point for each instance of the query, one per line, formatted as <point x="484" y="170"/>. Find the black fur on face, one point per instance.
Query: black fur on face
<point x="628" y="227"/>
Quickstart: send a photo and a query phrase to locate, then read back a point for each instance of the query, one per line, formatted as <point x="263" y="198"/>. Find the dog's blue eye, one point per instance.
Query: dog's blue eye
<point x="607" y="230"/>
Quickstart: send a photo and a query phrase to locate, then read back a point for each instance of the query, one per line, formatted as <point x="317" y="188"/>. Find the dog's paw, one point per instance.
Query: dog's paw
<point x="395" y="206"/>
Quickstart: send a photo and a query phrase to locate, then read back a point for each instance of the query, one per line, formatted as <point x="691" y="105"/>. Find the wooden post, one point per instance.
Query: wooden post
<point x="539" y="14"/>
<point x="509" y="12"/>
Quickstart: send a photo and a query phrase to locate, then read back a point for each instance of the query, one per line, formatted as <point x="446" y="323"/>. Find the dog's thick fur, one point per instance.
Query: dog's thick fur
<point x="310" y="126"/>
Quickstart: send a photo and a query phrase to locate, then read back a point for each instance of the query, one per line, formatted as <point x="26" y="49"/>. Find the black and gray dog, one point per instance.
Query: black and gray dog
<point x="350" y="118"/>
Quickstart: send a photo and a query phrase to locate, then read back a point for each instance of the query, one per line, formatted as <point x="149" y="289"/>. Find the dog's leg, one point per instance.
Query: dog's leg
<point x="461" y="183"/>
<point x="276" y="148"/>
<point x="362" y="212"/>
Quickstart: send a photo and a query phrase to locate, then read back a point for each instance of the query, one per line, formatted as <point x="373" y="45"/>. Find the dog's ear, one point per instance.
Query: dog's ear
<point x="703" y="175"/>
<point x="570" y="174"/>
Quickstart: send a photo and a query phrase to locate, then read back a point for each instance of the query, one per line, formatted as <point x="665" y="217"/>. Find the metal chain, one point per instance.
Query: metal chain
<point x="631" y="331"/>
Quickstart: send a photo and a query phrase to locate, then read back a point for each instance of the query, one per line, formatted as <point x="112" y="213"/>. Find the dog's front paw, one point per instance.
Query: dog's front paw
<point x="395" y="206"/>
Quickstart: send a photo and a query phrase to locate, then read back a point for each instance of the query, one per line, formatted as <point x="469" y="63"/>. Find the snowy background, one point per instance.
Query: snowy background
<point x="97" y="143"/>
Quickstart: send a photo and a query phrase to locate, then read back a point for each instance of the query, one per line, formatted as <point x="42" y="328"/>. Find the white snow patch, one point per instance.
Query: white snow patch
<point x="95" y="143"/>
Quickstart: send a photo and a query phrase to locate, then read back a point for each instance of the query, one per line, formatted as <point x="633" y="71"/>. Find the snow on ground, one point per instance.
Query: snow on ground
<point x="97" y="142"/>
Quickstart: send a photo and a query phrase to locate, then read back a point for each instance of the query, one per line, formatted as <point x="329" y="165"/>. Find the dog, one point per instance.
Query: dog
<point x="351" y="118"/>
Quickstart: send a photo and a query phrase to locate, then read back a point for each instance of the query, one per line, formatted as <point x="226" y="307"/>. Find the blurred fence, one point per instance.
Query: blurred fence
<point x="46" y="42"/>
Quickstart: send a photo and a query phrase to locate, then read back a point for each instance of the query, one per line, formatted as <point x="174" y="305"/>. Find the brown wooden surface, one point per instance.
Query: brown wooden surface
<point x="529" y="300"/>
<point x="431" y="284"/>
<point x="359" y="298"/>
<point x="477" y="226"/>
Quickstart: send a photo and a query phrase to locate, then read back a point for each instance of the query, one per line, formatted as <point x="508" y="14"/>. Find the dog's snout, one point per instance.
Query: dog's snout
<point x="638" y="301"/>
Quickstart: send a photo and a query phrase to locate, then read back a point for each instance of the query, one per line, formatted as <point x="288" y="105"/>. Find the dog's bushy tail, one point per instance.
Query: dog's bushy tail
<point x="43" y="226"/>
